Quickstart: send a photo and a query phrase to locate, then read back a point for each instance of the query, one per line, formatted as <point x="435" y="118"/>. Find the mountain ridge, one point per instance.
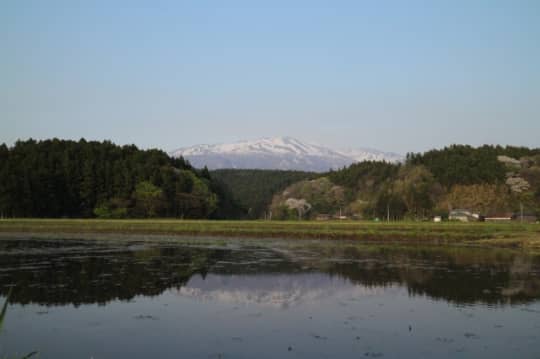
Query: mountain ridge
<point x="282" y="153"/>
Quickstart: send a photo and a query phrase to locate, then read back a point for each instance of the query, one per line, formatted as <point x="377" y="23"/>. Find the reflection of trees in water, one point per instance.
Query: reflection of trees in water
<point x="97" y="276"/>
<point x="51" y="272"/>
<point x="94" y="273"/>
<point x="522" y="282"/>
<point x="460" y="275"/>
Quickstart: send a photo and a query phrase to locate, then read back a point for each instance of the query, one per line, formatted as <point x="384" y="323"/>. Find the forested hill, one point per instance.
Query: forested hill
<point x="490" y="180"/>
<point x="253" y="189"/>
<point x="462" y="164"/>
<point x="58" y="178"/>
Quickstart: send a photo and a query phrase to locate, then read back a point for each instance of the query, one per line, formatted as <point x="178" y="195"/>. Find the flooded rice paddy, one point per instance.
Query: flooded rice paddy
<point x="141" y="297"/>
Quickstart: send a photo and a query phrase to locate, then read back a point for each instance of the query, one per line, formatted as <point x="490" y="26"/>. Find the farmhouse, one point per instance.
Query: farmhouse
<point x="464" y="215"/>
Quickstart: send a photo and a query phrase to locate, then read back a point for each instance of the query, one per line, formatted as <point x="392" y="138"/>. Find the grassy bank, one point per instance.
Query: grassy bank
<point x="496" y="234"/>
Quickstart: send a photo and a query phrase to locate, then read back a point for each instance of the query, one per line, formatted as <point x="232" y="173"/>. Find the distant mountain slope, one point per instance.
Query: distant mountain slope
<point x="282" y="153"/>
<point x="253" y="189"/>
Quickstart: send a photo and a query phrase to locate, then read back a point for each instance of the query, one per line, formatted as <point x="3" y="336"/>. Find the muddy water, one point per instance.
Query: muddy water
<point x="195" y="298"/>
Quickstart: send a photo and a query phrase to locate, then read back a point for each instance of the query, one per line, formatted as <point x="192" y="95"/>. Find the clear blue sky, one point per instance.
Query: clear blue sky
<point x="394" y="75"/>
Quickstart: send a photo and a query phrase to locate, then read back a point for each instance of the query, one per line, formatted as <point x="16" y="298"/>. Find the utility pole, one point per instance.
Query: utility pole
<point x="388" y="212"/>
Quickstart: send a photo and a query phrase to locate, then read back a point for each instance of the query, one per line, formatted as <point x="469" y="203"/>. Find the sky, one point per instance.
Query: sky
<point x="397" y="76"/>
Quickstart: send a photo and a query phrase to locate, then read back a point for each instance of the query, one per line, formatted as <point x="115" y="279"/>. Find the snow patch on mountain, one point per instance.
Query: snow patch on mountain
<point x="285" y="153"/>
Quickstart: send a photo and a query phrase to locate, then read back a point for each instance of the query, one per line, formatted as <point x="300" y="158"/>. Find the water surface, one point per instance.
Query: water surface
<point x="160" y="297"/>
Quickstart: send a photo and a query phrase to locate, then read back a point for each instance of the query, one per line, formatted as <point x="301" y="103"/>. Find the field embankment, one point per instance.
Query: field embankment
<point x="485" y="234"/>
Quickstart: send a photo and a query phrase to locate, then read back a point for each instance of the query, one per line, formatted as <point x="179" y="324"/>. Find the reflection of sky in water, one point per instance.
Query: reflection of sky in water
<point x="349" y="323"/>
<point x="281" y="291"/>
<point x="333" y="301"/>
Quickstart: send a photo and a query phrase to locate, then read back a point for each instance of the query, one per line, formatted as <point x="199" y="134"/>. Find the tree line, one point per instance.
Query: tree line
<point x="486" y="180"/>
<point x="62" y="178"/>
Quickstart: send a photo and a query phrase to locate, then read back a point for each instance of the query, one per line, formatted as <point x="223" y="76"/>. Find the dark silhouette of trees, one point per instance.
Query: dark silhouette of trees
<point x="58" y="178"/>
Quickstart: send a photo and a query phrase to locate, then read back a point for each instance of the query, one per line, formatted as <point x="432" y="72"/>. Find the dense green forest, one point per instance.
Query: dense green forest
<point x="57" y="178"/>
<point x="487" y="180"/>
<point x="466" y="165"/>
<point x="253" y="189"/>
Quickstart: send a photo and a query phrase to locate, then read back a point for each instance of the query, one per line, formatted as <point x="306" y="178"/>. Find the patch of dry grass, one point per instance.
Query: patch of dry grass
<point x="490" y="234"/>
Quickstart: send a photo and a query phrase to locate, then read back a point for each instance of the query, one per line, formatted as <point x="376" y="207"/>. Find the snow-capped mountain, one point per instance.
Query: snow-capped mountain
<point x="284" y="153"/>
<point x="274" y="289"/>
